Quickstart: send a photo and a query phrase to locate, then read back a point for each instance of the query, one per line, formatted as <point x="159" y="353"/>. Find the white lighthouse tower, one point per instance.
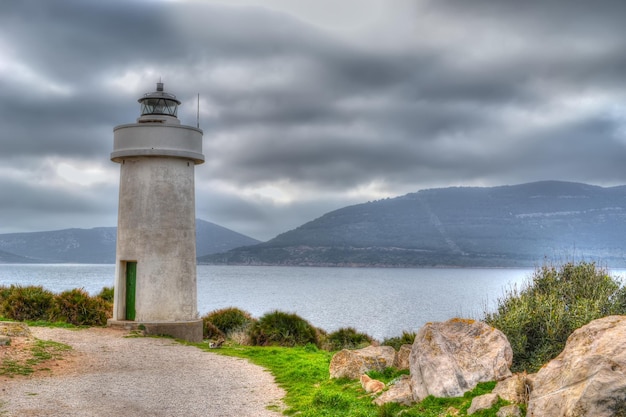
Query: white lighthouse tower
<point x="155" y="273"/>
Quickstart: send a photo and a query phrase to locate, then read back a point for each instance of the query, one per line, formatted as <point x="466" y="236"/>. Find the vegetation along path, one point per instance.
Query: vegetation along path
<point x="110" y="374"/>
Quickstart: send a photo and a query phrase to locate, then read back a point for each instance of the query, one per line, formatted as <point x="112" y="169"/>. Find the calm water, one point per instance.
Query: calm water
<point x="380" y="302"/>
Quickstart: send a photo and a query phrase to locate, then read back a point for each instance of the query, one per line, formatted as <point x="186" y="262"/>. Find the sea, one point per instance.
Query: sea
<point x="382" y="302"/>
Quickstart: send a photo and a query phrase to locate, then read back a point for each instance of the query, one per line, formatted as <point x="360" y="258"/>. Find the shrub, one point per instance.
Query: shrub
<point x="346" y="338"/>
<point x="407" y="338"/>
<point x="27" y="303"/>
<point x="4" y="293"/>
<point x="283" y="329"/>
<point x="210" y="331"/>
<point x="107" y="294"/>
<point x="228" y="320"/>
<point x="77" y="307"/>
<point x="538" y="319"/>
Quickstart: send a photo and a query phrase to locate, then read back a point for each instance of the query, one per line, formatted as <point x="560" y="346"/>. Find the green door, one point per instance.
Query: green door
<point x="131" y="286"/>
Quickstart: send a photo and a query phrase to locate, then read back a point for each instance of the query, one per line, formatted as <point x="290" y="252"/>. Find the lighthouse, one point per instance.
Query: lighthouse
<point x="155" y="271"/>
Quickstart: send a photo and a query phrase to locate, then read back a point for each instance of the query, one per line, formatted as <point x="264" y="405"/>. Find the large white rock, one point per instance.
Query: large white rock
<point x="588" y="379"/>
<point x="451" y="358"/>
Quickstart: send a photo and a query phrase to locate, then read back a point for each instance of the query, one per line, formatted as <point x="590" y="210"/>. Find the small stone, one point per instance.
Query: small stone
<point x="399" y="392"/>
<point x="509" y="411"/>
<point x="5" y="340"/>
<point x="482" y="402"/>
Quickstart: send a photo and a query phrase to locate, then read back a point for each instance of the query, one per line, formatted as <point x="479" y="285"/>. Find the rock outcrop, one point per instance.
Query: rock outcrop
<point x="354" y="363"/>
<point x="14" y="329"/>
<point x="588" y="379"/>
<point x="514" y="389"/>
<point x="452" y="357"/>
<point x="402" y="357"/>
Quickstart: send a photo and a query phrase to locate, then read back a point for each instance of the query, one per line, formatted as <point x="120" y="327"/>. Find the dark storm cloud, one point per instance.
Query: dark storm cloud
<point x="441" y="93"/>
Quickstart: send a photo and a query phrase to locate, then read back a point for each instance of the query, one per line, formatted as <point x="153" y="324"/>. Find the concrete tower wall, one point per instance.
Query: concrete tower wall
<point x="156" y="229"/>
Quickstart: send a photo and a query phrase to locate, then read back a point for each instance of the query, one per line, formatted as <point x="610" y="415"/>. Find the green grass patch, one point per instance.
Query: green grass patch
<point x="40" y="351"/>
<point x="303" y="372"/>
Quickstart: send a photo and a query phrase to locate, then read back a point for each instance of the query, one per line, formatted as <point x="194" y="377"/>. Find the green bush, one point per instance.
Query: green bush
<point x="77" y="307"/>
<point x="107" y="294"/>
<point x="210" y="331"/>
<point x="283" y="329"/>
<point x="407" y="338"/>
<point x="228" y="320"/>
<point x="346" y="338"/>
<point x="27" y="303"/>
<point x="539" y="318"/>
<point x="4" y="293"/>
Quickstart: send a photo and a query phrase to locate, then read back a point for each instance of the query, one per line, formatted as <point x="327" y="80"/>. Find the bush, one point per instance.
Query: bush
<point x="283" y="329"/>
<point x="4" y="293"/>
<point x="210" y="331"/>
<point x="107" y="294"/>
<point x="346" y="338"/>
<point x="407" y="338"/>
<point x="27" y="303"/>
<point x="77" y="307"/>
<point x="539" y="318"/>
<point x="228" y="320"/>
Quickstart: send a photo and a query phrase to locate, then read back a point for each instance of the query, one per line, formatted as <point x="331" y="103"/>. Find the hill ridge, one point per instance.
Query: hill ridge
<point x="502" y="226"/>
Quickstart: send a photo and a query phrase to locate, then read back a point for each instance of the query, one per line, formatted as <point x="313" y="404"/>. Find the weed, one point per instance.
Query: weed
<point x="282" y="329"/>
<point x="79" y="308"/>
<point x="539" y="318"/>
<point x="107" y="294"/>
<point x="27" y="303"/>
<point x="223" y="322"/>
<point x="346" y="338"/>
<point x="407" y="338"/>
<point x="41" y="351"/>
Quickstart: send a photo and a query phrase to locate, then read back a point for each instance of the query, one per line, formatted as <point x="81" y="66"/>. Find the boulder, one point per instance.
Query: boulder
<point x="588" y="379"/>
<point x="398" y="392"/>
<point x="513" y="389"/>
<point x="482" y="402"/>
<point x="5" y="340"/>
<point x="14" y="329"/>
<point x="402" y="357"/>
<point x="509" y="411"/>
<point x="354" y="363"/>
<point x="451" y="358"/>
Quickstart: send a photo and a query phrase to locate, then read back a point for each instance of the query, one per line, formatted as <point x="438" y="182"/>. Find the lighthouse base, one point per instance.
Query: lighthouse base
<point x="190" y="331"/>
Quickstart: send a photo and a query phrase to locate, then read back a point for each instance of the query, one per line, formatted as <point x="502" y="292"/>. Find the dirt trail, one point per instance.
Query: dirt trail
<point x="108" y="374"/>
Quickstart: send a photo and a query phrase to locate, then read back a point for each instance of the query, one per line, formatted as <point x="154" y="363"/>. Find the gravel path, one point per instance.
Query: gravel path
<point x="108" y="374"/>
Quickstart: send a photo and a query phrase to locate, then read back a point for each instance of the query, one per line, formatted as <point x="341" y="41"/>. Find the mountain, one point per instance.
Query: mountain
<point x="519" y="225"/>
<point x="9" y="258"/>
<point x="97" y="245"/>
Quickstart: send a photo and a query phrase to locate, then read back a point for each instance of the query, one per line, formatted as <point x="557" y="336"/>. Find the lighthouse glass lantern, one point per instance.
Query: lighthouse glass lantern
<point x="159" y="102"/>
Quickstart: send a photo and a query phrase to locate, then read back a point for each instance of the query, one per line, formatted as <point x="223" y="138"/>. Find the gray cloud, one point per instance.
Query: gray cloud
<point x="302" y="116"/>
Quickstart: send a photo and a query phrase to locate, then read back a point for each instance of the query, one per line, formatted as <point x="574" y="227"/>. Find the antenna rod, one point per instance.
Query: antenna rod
<point x="198" y="113"/>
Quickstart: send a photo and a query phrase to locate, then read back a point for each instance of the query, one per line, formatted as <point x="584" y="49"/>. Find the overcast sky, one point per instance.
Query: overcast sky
<point x="308" y="106"/>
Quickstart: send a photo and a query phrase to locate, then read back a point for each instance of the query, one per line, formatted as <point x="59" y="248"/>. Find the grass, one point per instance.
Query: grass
<point x="303" y="373"/>
<point x="40" y="351"/>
